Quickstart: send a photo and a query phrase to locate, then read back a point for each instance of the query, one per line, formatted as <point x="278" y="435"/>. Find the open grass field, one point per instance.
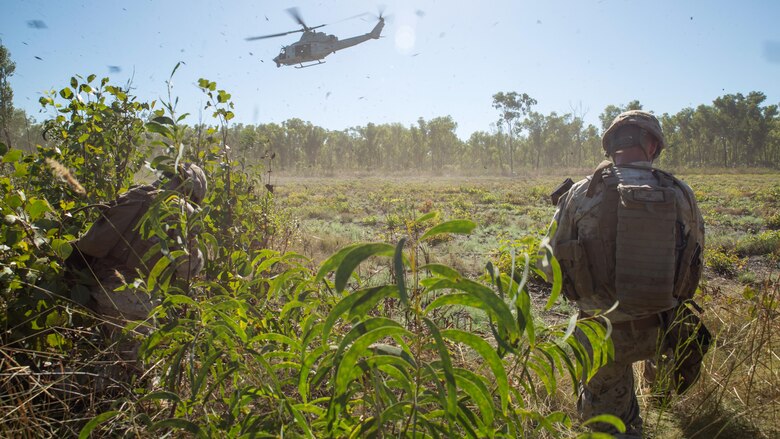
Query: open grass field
<point x="739" y="393"/>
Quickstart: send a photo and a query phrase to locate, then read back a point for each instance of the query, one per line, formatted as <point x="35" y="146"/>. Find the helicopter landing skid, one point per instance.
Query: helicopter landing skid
<point x="301" y="66"/>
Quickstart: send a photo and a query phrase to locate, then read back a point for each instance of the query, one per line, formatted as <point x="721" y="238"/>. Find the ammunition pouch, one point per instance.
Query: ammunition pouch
<point x="577" y="281"/>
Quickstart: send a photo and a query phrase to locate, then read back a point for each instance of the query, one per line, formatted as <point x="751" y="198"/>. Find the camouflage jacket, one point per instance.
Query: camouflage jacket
<point x="578" y="220"/>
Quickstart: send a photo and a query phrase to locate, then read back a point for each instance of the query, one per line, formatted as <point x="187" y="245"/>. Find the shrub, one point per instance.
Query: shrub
<point x="723" y="262"/>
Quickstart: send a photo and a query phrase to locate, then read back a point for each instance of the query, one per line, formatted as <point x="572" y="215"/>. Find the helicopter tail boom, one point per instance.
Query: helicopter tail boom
<point x="377" y="30"/>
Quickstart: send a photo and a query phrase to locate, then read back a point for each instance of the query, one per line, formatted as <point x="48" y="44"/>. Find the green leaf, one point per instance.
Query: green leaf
<point x="364" y="327"/>
<point x="398" y="265"/>
<point x="163" y="120"/>
<point x="36" y="208"/>
<point x="307" y="364"/>
<point x="489" y="355"/>
<point x="3" y="149"/>
<point x="446" y="363"/>
<point x="91" y="78"/>
<point x="442" y="270"/>
<point x="463" y="227"/>
<point x="204" y="371"/>
<point x="163" y="130"/>
<point x="367" y="301"/>
<point x="159" y="274"/>
<point x="570" y="327"/>
<point x="358" y="348"/>
<point x="557" y="284"/>
<point x="176" y="67"/>
<point x="340" y="308"/>
<point x="475" y="387"/>
<point x="12" y="156"/>
<point x="478" y="296"/>
<point x="355" y="257"/>
<point x="608" y="419"/>
<point x="426" y="217"/>
<point x="333" y="262"/>
<point x="300" y="419"/>
<point x="524" y="316"/>
<point x="179" y="299"/>
<point x="94" y="422"/>
<point x="62" y="248"/>
<point x="66" y="93"/>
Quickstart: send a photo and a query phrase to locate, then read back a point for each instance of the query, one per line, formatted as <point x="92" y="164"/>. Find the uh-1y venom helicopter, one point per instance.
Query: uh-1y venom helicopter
<point x="313" y="45"/>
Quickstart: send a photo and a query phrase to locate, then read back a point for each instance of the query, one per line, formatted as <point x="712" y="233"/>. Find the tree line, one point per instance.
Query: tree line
<point x="734" y="130"/>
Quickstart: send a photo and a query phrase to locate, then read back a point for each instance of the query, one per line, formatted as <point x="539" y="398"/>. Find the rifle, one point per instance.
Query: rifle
<point x="560" y="190"/>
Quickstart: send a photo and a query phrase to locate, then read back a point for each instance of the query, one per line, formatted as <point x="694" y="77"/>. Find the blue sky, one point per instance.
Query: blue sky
<point x="436" y="58"/>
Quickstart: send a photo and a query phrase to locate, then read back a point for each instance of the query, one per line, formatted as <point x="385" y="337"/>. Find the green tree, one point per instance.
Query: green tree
<point x="513" y="107"/>
<point x="442" y="141"/>
<point x="7" y="68"/>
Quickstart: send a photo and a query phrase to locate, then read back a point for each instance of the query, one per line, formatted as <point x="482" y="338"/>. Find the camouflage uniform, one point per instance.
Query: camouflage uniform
<point x="637" y="330"/>
<point x="114" y="253"/>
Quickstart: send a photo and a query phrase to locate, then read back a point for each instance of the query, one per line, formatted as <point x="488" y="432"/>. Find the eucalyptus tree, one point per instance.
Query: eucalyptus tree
<point x="420" y="143"/>
<point x="513" y="107"/>
<point x="535" y="124"/>
<point x="442" y="138"/>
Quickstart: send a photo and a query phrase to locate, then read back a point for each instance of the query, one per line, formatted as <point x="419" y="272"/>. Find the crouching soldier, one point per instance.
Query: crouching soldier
<point x="633" y="235"/>
<point x="115" y="252"/>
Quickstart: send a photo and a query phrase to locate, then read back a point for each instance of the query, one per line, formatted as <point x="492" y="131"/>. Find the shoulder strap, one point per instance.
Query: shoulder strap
<point x="598" y="175"/>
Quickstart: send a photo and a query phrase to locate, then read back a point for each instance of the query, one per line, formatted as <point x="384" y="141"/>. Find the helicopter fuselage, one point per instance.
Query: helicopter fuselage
<point x="314" y="46"/>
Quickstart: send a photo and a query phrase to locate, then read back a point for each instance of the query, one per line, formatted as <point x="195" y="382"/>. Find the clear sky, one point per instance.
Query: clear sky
<point x="436" y="58"/>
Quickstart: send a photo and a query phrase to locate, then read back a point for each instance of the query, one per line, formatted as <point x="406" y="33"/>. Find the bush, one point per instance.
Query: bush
<point x="723" y="262"/>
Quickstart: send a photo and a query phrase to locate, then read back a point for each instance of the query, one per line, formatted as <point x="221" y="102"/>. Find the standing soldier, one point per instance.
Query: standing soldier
<point x="633" y="235"/>
<point x="114" y="252"/>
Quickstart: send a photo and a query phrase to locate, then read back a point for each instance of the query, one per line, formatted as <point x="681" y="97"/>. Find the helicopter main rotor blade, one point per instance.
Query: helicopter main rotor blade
<point x="273" y="35"/>
<point x="297" y="16"/>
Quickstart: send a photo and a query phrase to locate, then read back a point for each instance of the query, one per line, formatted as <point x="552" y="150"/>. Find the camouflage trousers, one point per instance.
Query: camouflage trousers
<point x="611" y="390"/>
<point x="124" y="313"/>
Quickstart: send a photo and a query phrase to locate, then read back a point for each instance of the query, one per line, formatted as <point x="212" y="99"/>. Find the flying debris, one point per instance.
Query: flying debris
<point x="39" y="58"/>
<point x="114" y="69"/>
<point x="36" y="24"/>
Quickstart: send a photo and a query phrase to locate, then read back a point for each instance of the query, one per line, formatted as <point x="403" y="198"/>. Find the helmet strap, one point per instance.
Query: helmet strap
<point x="645" y="139"/>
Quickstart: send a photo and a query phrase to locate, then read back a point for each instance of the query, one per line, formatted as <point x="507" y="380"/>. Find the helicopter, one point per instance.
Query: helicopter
<point x="314" y="46"/>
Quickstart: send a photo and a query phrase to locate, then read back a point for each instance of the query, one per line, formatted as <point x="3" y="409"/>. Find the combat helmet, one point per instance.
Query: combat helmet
<point x="631" y="128"/>
<point x="190" y="180"/>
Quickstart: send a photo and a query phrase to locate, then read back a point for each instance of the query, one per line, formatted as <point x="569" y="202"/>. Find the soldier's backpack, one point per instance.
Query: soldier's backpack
<point x="112" y="235"/>
<point x="642" y="257"/>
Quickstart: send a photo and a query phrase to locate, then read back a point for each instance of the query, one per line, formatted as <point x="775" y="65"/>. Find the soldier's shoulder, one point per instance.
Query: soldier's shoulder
<point x="581" y="187"/>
